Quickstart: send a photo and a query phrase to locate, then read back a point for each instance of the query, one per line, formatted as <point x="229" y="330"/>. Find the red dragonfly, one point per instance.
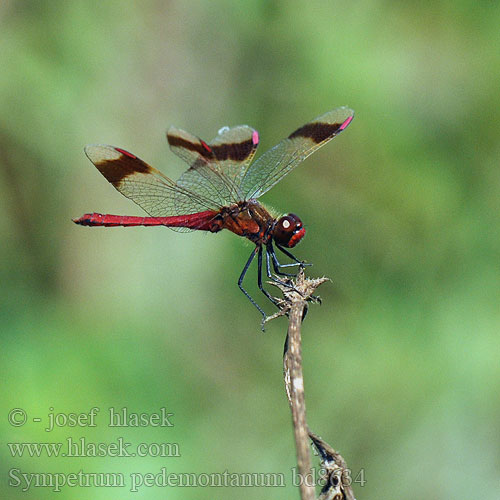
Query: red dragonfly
<point x="220" y="188"/>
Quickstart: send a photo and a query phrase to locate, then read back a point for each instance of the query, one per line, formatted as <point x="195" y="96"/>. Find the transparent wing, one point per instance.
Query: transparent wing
<point x="154" y="192"/>
<point x="234" y="149"/>
<point x="274" y="164"/>
<point x="216" y="169"/>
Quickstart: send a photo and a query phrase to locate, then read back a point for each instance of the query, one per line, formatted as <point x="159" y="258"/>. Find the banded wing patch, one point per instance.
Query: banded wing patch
<point x="154" y="192"/>
<point x="235" y="149"/>
<point x="216" y="169"/>
<point x="277" y="162"/>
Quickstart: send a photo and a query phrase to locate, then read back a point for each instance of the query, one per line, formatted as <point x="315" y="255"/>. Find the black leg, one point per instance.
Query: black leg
<point x="297" y="262"/>
<point x="240" y="281"/>
<point x="276" y="265"/>
<point x="288" y="254"/>
<point x="269" y="253"/>
<point x="259" y="278"/>
<point x="276" y="269"/>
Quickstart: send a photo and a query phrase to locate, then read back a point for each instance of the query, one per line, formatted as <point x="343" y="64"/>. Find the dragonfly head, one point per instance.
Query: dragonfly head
<point x="288" y="230"/>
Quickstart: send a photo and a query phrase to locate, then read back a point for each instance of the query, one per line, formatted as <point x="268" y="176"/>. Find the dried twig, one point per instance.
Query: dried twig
<point x="333" y="465"/>
<point x="336" y="476"/>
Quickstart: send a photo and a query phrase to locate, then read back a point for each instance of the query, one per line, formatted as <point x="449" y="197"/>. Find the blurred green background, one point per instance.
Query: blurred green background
<point x="401" y="361"/>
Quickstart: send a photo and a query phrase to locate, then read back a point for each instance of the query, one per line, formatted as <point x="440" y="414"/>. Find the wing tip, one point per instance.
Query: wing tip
<point x="96" y="153"/>
<point x="172" y="130"/>
<point x="347" y="109"/>
<point x="255" y="138"/>
<point x="346" y="123"/>
<point x="91" y="150"/>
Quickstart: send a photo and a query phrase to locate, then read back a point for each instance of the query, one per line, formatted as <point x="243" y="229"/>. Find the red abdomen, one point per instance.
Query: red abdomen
<point x="203" y="221"/>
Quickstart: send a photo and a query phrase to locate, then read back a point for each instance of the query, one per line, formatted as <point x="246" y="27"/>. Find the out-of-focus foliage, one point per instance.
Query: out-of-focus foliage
<point x="402" y="212"/>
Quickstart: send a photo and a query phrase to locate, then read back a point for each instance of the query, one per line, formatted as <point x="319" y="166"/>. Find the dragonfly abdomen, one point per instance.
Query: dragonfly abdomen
<point x="202" y="221"/>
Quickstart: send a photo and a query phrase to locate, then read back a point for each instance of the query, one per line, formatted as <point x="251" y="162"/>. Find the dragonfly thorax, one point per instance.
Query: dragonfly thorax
<point x="248" y="219"/>
<point x="252" y="220"/>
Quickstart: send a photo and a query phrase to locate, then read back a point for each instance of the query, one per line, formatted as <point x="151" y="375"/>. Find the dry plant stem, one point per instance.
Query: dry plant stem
<point x="294" y="306"/>
<point x="333" y="464"/>
<point x="336" y="476"/>
<point x="294" y="382"/>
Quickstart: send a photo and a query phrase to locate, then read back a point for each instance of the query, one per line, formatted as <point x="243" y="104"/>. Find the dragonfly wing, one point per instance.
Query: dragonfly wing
<point x="274" y="164"/>
<point x="154" y="192"/>
<point x="234" y="149"/>
<point x="216" y="169"/>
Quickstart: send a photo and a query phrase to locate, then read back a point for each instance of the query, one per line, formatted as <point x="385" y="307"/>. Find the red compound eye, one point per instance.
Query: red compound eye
<point x="288" y="230"/>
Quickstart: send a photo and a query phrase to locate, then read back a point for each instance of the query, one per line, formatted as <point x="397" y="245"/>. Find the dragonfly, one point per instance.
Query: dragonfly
<point x="220" y="189"/>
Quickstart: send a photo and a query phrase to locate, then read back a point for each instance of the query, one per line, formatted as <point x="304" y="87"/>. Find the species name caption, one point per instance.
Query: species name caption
<point x="57" y="481"/>
<point x="78" y="447"/>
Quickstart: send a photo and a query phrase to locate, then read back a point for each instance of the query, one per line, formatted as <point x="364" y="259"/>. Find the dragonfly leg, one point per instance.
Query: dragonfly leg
<point x="276" y="265"/>
<point x="259" y="278"/>
<point x="296" y="263"/>
<point x="269" y="258"/>
<point x="291" y="256"/>
<point x="270" y="252"/>
<point x="240" y="284"/>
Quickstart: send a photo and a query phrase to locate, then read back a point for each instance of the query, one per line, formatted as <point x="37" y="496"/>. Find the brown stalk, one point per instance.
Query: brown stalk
<point x="335" y="475"/>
